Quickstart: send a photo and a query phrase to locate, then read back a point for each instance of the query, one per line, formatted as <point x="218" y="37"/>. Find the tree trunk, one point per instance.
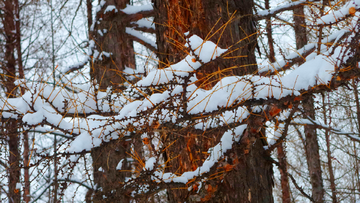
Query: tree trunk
<point x="109" y="180"/>
<point x="228" y="24"/>
<point x="115" y="50"/>
<point x="328" y="151"/>
<point x="9" y="68"/>
<point x="281" y="153"/>
<point x="311" y="143"/>
<point x="285" y="187"/>
<point x="312" y="153"/>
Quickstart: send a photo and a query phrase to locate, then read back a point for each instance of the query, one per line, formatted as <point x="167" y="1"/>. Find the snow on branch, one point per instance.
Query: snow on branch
<point x="55" y="104"/>
<point x="130" y="9"/>
<point x="228" y="139"/>
<point x="318" y="124"/>
<point x="301" y="54"/>
<point x="215" y="154"/>
<point x="286" y="7"/>
<point x="334" y="16"/>
<point x="181" y="104"/>
<point x="139" y="37"/>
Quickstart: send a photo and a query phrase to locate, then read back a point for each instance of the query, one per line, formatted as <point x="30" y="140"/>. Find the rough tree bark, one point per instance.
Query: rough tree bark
<point x="114" y="47"/>
<point x="228" y="24"/>
<point x="9" y="70"/>
<point x="311" y="142"/>
<point x="116" y="52"/>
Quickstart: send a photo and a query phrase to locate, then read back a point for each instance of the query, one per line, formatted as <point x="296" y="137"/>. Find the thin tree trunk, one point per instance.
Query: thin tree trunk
<point x="26" y="162"/>
<point x="285" y="186"/>
<point x="26" y="196"/>
<point x="356" y="94"/>
<point x="312" y="153"/>
<point x="89" y="16"/>
<point x="271" y="54"/>
<point x="311" y="145"/>
<point x="11" y="127"/>
<point x="328" y="152"/>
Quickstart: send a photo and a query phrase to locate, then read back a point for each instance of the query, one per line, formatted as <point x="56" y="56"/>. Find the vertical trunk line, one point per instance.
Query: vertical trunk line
<point x="357" y="103"/>
<point x="311" y="143"/>
<point x="312" y="153"/>
<point x="56" y="185"/>
<point x="10" y="76"/>
<point x="328" y="151"/>
<point x="271" y="54"/>
<point x="285" y="186"/>
<point x="26" y="161"/>
<point x="89" y="16"/>
<point x="284" y="174"/>
<point x="110" y="36"/>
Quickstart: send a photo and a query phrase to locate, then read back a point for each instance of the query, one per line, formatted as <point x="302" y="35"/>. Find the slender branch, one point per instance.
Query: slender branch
<point x="293" y="181"/>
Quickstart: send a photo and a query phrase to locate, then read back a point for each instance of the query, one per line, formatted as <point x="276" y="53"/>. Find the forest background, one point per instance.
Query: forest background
<point x="174" y="101"/>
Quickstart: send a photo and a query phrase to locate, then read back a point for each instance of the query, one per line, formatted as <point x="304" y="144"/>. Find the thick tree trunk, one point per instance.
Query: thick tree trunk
<point x="226" y="23"/>
<point x="115" y="50"/>
<point x="247" y="175"/>
<point x="109" y="180"/>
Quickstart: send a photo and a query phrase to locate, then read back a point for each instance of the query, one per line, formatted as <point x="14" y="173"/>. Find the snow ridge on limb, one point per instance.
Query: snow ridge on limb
<point x="130" y="9"/>
<point x="288" y="6"/>
<point x="162" y="180"/>
<point x="303" y="79"/>
<point x="347" y="10"/>
<point x="133" y="13"/>
<point x="299" y="55"/>
<point x="225" y="96"/>
<point x="215" y="154"/>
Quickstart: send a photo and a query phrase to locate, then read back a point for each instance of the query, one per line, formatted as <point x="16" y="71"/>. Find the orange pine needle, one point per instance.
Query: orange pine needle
<point x="352" y="11"/>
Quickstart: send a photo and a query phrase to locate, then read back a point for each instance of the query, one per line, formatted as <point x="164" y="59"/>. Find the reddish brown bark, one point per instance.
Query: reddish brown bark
<point x="109" y="180"/>
<point x="9" y="69"/>
<point x="312" y="153"/>
<point x="26" y="162"/>
<point x="271" y="54"/>
<point x="300" y="27"/>
<point x="284" y="180"/>
<point x="228" y="24"/>
<point x="311" y="142"/>
<point x="89" y="16"/>
<point x="247" y="176"/>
